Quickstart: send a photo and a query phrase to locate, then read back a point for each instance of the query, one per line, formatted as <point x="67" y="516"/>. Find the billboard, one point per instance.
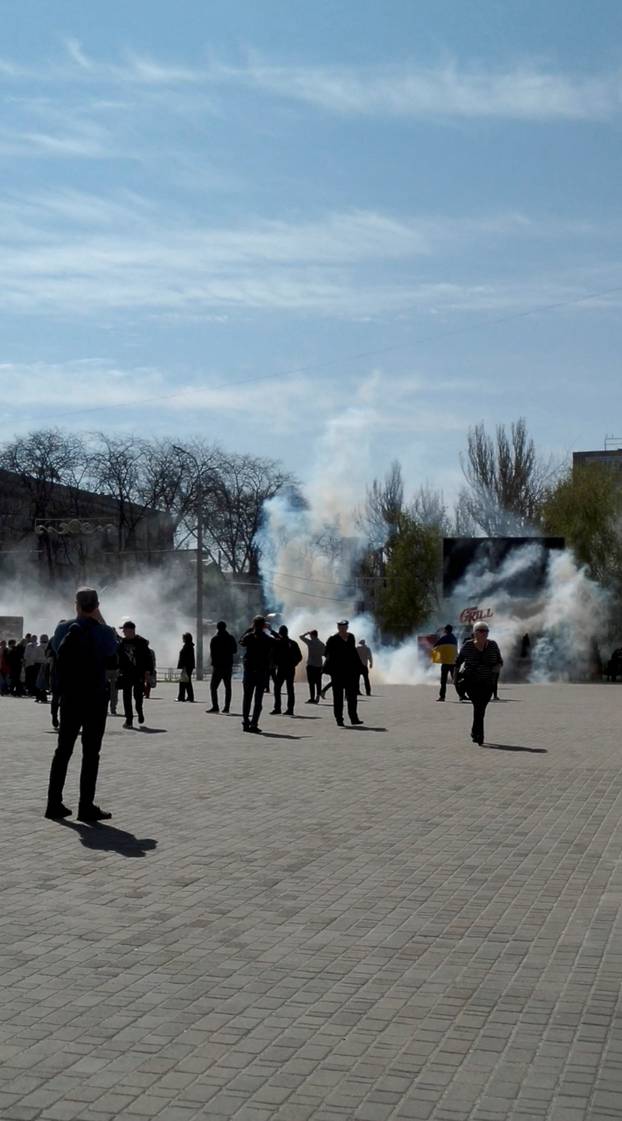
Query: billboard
<point x="523" y="580"/>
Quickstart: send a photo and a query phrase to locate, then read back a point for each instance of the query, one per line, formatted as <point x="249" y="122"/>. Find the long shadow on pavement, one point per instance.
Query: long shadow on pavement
<point x="364" y="728"/>
<point x="280" y="736"/>
<point x="105" y="838"/>
<point x="515" y="747"/>
<point x="151" y="731"/>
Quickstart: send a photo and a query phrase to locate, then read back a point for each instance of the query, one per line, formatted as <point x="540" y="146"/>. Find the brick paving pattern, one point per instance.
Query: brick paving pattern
<point x="378" y="924"/>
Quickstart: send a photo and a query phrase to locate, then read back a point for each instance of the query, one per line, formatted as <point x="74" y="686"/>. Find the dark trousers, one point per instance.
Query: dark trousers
<point x="479" y="693"/>
<point x="349" y="686"/>
<point x="31" y="674"/>
<point x="446" y="671"/>
<point x="221" y="675"/>
<point x="185" y="689"/>
<point x="365" y="676"/>
<point x="284" y="677"/>
<point x="314" y="677"/>
<point x="75" y="715"/>
<point x="55" y="706"/>
<point x="135" y="689"/>
<point x="253" y="685"/>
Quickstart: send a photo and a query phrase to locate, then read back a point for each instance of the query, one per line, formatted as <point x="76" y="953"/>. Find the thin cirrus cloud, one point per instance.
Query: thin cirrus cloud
<point x="526" y="91"/>
<point x="75" y="253"/>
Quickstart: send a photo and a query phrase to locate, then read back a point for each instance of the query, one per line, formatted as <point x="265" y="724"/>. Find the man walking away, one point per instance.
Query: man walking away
<point x="134" y="670"/>
<point x="315" y="653"/>
<point x="31" y="665"/>
<point x="185" y="664"/>
<point x="85" y="648"/>
<point x="445" y="650"/>
<point x="344" y="666"/>
<point x="222" y="652"/>
<point x="257" y="643"/>
<point x="286" y="656"/>
<point x="367" y="663"/>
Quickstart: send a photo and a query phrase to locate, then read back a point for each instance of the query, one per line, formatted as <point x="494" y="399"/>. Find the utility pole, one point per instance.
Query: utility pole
<point x="199" y="577"/>
<point x="199" y="531"/>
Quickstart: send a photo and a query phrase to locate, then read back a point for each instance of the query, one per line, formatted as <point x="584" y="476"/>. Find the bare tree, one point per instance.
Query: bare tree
<point x="51" y="466"/>
<point x="506" y="480"/>
<point x="384" y="506"/>
<point x="237" y="488"/>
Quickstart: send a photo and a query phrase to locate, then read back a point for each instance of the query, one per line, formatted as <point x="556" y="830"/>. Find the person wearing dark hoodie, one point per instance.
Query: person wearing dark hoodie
<point x="257" y="642"/>
<point x="222" y="650"/>
<point x="286" y="655"/>
<point x="134" y="669"/>
<point x="186" y="663"/>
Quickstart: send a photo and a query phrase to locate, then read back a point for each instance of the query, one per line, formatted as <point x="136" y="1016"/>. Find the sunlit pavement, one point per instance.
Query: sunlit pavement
<point x="370" y="923"/>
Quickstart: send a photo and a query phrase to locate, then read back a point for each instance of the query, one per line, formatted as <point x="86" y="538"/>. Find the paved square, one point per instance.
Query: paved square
<point x="368" y="924"/>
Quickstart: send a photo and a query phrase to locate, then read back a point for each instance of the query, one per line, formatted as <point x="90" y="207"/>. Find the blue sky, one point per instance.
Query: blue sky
<point x="256" y="221"/>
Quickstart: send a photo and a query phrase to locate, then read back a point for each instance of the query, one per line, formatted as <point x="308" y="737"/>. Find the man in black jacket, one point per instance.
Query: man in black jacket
<point x="85" y="648"/>
<point x="186" y="665"/>
<point x="286" y="655"/>
<point x="257" y="641"/>
<point x="222" y="650"/>
<point x="134" y="668"/>
<point x="344" y="666"/>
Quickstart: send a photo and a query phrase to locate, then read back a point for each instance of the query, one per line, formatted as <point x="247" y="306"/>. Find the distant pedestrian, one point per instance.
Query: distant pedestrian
<point x="257" y="642"/>
<point x="222" y="650"/>
<point x="315" y="654"/>
<point x="482" y="661"/>
<point x="285" y="656"/>
<point x="445" y="652"/>
<point x="85" y="648"/>
<point x="344" y="666"/>
<point x="134" y="669"/>
<point x="186" y="663"/>
<point x="367" y="663"/>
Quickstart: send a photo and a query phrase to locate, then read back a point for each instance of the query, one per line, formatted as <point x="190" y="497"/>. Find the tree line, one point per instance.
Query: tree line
<point x="143" y="475"/>
<point x="509" y="489"/>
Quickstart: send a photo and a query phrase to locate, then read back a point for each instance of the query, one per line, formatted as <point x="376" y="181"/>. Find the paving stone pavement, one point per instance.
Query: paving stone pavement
<point x="377" y="924"/>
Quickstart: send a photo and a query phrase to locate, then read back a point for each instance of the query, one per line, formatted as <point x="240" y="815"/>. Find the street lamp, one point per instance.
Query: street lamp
<point x="199" y="605"/>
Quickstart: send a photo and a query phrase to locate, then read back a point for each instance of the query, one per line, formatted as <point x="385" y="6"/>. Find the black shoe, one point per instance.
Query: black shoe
<point x="141" y="718"/>
<point x="275" y="712"/>
<point x="55" y="724"/>
<point x="255" y="729"/>
<point x="288" y="712"/>
<point x="56" y="813"/>
<point x="246" y="727"/>
<point x="310" y="701"/>
<point x="479" y="741"/>
<point x="355" y="722"/>
<point x="128" y="724"/>
<point x="212" y="709"/>
<point x="440" y="698"/>
<point x="93" y="813"/>
<point x="340" y="724"/>
<point x="224" y="710"/>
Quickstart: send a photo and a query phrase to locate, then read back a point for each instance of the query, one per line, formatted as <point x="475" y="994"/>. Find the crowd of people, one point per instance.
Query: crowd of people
<point x="86" y="664"/>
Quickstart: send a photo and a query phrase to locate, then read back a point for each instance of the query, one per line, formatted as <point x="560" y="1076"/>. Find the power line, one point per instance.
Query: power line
<point x="330" y="362"/>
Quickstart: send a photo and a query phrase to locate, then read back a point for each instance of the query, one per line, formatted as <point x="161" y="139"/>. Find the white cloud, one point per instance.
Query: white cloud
<point x="524" y="92"/>
<point x="78" y="254"/>
<point x="528" y="91"/>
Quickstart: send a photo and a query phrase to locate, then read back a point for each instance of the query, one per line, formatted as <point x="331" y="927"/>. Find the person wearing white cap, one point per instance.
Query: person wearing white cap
<point x="482" y="661"/>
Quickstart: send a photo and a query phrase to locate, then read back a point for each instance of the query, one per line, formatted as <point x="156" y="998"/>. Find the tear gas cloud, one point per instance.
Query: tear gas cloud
<point x="308" y="553"/>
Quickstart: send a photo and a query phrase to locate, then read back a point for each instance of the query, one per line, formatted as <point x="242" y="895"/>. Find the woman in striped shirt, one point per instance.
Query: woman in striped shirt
<point x="482" y="661"/>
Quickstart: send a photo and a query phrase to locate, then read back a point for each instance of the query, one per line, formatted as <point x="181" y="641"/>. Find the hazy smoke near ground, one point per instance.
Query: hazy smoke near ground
<point x="308" y="552"/>
<point x="149" y="601"/>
